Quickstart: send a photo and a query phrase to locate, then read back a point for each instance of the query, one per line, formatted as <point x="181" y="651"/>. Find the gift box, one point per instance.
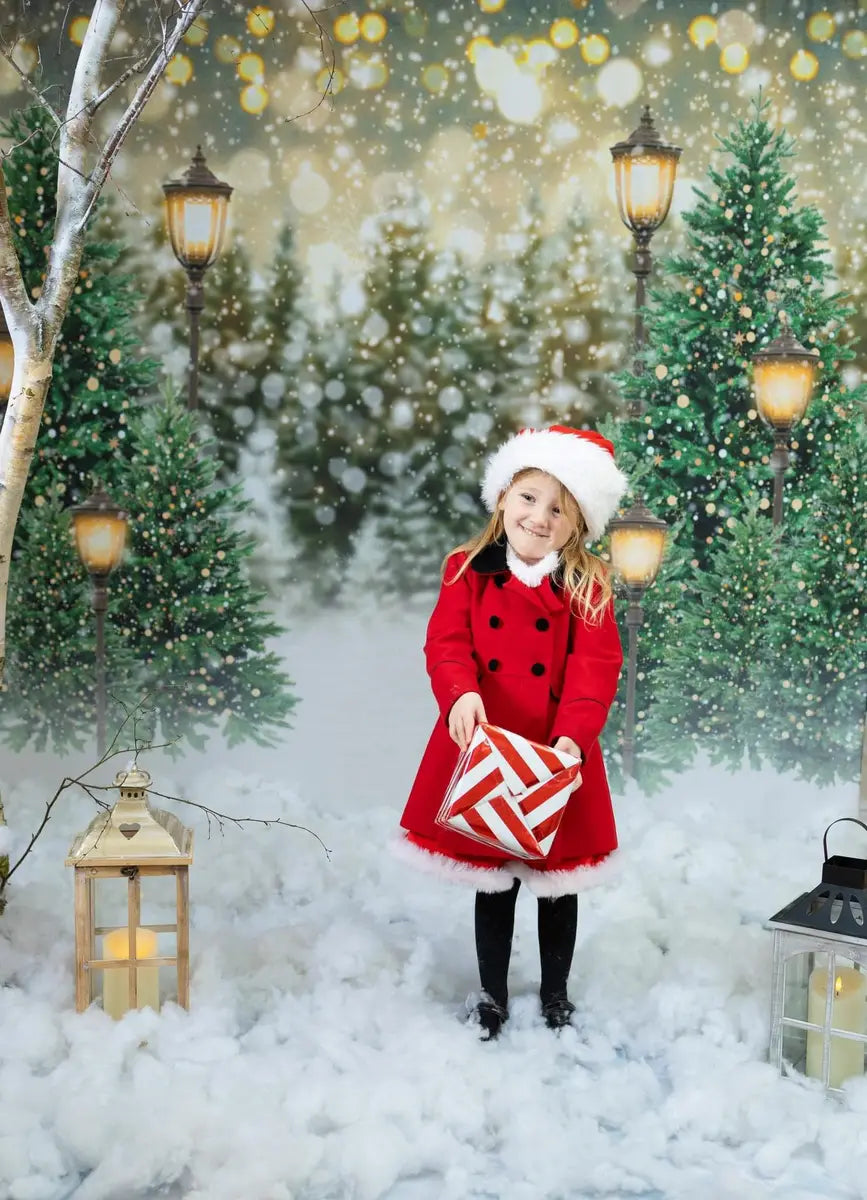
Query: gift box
<point x="509" y="793"/>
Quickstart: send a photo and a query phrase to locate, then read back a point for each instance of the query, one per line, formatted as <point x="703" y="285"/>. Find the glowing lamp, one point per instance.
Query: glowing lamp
<point x="99" y="527"/>
<point x="637" y="547"/>
<point x="197" y="207"/>
<point x="644" y="172"/>
<point x="783" y="377"/>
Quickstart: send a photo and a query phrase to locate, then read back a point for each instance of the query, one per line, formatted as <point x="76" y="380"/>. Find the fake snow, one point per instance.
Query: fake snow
<point x="325" y="1053"/>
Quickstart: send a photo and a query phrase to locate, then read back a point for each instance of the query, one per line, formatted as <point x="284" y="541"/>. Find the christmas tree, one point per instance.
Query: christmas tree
<point x="185" y="606"/>
<point x="755" y="265"/>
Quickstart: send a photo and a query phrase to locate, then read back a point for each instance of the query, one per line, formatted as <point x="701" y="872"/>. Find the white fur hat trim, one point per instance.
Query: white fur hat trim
<point x="584" y="468"/>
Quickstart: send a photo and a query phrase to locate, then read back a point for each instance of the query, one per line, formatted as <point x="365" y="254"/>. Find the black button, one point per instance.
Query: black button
<point x="495" y="622"/>
<point x="538" y="669"/>
<point x="494" y="664"/>
<point x="542" y="624"/>
<point x="500" y="580"/>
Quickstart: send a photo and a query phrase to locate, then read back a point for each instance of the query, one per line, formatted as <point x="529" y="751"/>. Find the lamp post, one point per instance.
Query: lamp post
<point x="7" y="364"/>
<point x="637" y="546"/>
<point x="644" y="171"/>
<point x="196" y="211"/>
<point x="783" y="376"/>
<point x="99" y="527"/>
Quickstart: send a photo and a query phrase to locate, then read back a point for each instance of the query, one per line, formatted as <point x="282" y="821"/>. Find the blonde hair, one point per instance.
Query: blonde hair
<point x="585" y="576"/>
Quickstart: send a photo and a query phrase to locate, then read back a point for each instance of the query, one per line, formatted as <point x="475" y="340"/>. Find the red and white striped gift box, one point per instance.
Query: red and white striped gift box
<point x="509" y="792"/>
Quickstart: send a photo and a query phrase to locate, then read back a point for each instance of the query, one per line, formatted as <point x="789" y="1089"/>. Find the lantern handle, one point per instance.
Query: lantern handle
<point x="837" y="822"/>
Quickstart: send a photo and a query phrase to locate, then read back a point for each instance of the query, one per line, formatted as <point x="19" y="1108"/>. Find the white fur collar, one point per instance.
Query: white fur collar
<point x="531" y="574"/>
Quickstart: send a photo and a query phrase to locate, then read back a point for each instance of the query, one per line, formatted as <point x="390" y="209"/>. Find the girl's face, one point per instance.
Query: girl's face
<point x="533" y="516"/>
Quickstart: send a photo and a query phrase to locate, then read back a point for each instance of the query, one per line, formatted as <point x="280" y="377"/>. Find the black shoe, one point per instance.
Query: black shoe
<point x="491" y="1017"/>
<point x="558" y="1012"/>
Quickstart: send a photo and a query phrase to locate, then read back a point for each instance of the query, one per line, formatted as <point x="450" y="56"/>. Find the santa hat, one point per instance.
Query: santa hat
<point x="581" y="459"/>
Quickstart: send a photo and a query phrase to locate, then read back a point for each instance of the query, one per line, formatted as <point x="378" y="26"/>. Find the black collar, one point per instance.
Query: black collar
<point x="492" y="561"/>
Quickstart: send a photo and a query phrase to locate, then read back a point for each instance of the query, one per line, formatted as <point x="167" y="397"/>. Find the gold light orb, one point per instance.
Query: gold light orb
<point x="260" y="21"/>
<point x="595" y="49"/>
<point x="254" y="99"/>
<point x="734" y="58"/>
<point x="564" y="33"/>
<point x="478" y="44"/>
<point x="492" y="6"/>
<point x="251" y="68"/>
<point x="804" y="65"/>
<point x="735" y="25"/>
<point x="346" y="29"/>
<point x="77" y="30"/>
<point x="26" y="56"/>
<point x="537" y="55"/>
<point x="435" y="78"/>
<point x="702" y="31"/>
<point x="179" y="70"/>
<point x="368" y="71"/>
<point x="227" y="49"/>
<point x="373" y="27"/>
<point x="854" y="43"/>
<point x="197" y="34"/>
<point x="338" y="82"/>
<point x="821" y="27"/>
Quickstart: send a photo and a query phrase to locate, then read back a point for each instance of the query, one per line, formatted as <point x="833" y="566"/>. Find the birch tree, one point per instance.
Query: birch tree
<point x="85" y="156"/>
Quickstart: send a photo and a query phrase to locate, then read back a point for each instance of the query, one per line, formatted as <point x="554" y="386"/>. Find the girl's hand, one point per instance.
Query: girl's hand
<point x="567" y="745"/>
<point x="466" y="712"/>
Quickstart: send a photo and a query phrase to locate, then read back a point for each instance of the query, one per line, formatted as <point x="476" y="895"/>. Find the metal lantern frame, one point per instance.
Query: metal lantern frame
<point x="785" y="351"/>
<point x="829" y="920"/>
<point x="132" y="842"/>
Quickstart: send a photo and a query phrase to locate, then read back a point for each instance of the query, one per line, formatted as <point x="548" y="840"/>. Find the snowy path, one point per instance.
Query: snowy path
<point x="324" y="1058"/>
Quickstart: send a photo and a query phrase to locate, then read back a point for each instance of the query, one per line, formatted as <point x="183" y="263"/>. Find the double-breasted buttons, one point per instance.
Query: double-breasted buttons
<point x="495" y="622"/>
<point x="500" y="580"/>
<point x="543" y="624"/>
<point x="494" y="664"/>
<point x="538" y="668"/>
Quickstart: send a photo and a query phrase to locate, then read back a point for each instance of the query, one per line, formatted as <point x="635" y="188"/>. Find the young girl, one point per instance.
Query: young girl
<point x="523" y="636"/>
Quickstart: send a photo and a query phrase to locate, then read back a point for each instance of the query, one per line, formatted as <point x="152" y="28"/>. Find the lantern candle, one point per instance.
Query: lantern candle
<point x="848" y="1013"/>
<point x="115" y="986"/>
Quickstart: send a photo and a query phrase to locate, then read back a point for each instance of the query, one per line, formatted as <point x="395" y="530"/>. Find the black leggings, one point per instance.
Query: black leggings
<point x="495" y="924"/>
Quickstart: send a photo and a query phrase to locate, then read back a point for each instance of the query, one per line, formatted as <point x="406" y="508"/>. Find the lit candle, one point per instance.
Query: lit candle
<point x="115" y="984"/>
<point x="848" y="1012"/>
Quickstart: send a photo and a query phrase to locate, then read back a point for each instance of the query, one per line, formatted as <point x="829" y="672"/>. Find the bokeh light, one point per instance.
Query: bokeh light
<point x="254" y="98"/>
<point x="346" y="29"/>
<point x="492" y="6"/>
<point x="477" y="44"/>
<point x="338" y="80"/>
<point x="308" y="191"/>
<point x="734" y="58"/>
<point x="735" y="26"/>
<point x="415" y="22"/>
<point x="251" y="67"/>
<point x="702" y="31"/>
<point x="821" y="27"/>
<point x="373" y="27"/>
<point x="537" y="55"/>
<point x="368" y="72"/>
<point x="227" y="49"/>
<point x="179" y="70"/>
<point x="619" y="82"/>
<point x="522" y="101"/>
<point x="855" y="43"/>
<point x="595" y="49"/>
<point x="77" y="30"/>
<point x="435" y="78"/>
<point x="197" y="34"/>
<point x="26" y="56"/>
<point x="804" y="65"/>
<point x="260" y="21"/>
<point x="564" y="33"/>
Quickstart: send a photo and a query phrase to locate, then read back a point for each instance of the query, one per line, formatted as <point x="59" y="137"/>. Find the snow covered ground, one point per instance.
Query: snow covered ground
<point x="325" y="1057"/>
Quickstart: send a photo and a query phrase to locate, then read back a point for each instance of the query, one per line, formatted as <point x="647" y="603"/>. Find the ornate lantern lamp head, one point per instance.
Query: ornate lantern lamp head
<point x="99" y="528"/>
<point x="644" y="171"/>
<point x="197" y="208"/>
<point x="783" y="377"/>
<point x="637" y="546"/>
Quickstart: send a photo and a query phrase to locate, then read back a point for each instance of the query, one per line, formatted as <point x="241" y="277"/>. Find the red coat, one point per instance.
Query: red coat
<point x="542" y="672"/>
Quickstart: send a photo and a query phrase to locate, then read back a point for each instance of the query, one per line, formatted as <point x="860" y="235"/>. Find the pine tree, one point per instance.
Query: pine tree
<point x="700" y="455"/>
<point x="185" y="606"/>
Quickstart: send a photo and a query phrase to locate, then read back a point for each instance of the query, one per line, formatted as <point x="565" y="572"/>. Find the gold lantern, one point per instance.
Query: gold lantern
<point x="637" y="545"/>
<point x="197" y="208"/>
<point x="99" y="527"/>
<point x="644" y="170"/>
<point x="7" y="362"/>
<point x="132" y="869"/>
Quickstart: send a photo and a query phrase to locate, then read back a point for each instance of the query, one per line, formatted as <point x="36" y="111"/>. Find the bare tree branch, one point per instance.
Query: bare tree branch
<point x="31" y="87"/>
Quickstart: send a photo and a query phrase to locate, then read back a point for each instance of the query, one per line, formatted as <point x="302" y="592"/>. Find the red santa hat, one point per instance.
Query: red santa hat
<point x="581" y="459"/>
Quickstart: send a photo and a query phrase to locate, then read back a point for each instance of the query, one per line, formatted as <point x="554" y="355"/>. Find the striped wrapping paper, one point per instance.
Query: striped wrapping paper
<point x="509" y="792"/>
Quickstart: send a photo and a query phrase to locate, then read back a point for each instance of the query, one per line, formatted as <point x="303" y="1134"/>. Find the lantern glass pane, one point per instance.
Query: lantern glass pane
<point x="197" y="225"/>
<point x="783" y="391"/>
<point x="157" y="909"/>
<point x="796" y="976"/>
<point x="645" y="185"/>
<point x="7" y="366"/>
<point x="100" y="541"/>
<point x="636" y="554"/>
<point x="837" y="1002"/>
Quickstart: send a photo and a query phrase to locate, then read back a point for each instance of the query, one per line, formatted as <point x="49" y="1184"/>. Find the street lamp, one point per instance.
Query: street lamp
<point x="637" y="545"/>
<point x="7" y="363"/>
<point x="644" y="170"/>
<point x="99" y="527"/>
<point x="783" y="376"/>
<point x="196" y="211"/>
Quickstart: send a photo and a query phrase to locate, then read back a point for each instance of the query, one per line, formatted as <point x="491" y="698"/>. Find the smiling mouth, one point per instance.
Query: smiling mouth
<point x="531" y="533"/>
